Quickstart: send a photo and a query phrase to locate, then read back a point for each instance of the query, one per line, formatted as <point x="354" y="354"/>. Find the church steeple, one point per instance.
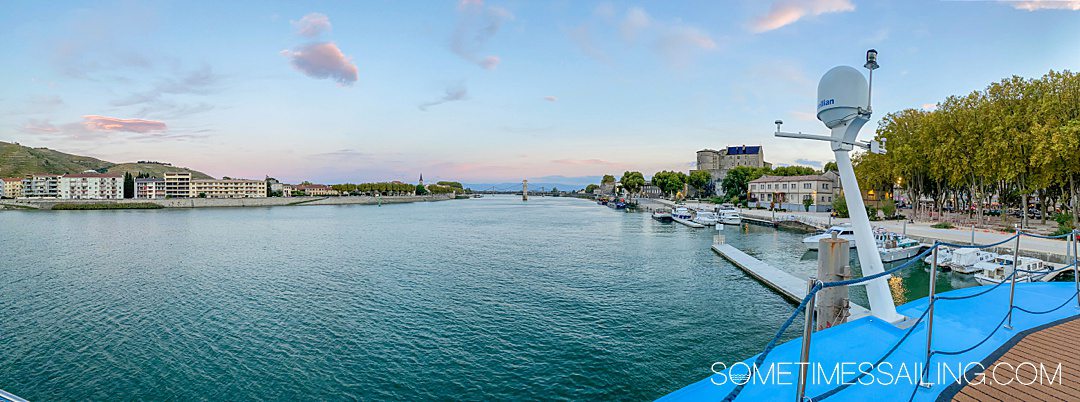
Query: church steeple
<point x="421" y="179"/>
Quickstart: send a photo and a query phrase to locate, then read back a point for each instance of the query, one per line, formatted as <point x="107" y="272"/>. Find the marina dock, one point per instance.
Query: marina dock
<point x="792" y="288"/>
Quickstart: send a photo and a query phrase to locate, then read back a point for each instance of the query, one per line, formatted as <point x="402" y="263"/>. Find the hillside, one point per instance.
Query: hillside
<point x="154" y="169"/>
<point x="17" y="160"/>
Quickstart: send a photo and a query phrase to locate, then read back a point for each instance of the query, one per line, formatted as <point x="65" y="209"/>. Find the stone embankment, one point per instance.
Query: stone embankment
<point x="229" y="202"/>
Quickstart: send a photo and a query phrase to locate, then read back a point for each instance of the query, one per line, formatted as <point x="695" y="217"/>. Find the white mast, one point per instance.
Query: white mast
<point x="842" y="94"/>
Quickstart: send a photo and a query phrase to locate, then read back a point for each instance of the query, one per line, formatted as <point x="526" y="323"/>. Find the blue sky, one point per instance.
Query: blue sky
<point x="484" y="90"/>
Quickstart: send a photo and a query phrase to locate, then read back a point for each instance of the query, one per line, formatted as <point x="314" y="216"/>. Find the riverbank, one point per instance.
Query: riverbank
<point x="49" y="204"/>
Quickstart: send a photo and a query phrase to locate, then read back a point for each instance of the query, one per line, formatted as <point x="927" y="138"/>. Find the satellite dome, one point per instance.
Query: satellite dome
<point x="841" y="92"/>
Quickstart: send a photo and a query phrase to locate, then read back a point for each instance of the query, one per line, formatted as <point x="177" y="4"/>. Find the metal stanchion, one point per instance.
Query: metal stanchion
<point x="808" y="330"/>
<point x="1012" y="286"/>
<point x="930" y="317"/>
<point x="1076" y="271"/>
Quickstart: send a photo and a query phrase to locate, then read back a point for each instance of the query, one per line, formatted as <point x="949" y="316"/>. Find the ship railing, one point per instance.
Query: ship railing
<point x="926" y="319"/>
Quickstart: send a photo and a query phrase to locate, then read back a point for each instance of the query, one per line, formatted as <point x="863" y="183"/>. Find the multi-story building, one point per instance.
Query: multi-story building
<point x="177" y="184"/>
<point x="91" y="185"/>
<point x="41" y="186"/>
<point x="12" y="187"/>
<point x="718" y="163"/>
<point x="149" y="188"/>
<point x="316" y="189"/>
<point x="788" y="192"/>
<point x="227" y="188"/>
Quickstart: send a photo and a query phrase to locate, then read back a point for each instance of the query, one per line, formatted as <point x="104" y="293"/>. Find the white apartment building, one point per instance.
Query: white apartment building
<point x="227" y="188"/>
<point x="91" y="185"/>
<point x="788" y="192"/>
<point x="177" y="184"/>
<point x="150" y="188"/>
<point x="41" y="186"/>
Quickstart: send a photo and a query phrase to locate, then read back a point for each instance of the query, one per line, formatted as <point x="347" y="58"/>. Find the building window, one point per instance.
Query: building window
<point x="824" y="186"/>
<point x="807" y="185"/>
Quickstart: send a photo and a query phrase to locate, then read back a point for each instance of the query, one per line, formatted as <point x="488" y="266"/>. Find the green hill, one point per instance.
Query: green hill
<point x="153" y="169"/>
<point x="17" y="160"/>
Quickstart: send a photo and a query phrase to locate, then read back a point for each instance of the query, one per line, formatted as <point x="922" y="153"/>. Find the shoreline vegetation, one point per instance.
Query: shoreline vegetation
<point x="71" y="205"/>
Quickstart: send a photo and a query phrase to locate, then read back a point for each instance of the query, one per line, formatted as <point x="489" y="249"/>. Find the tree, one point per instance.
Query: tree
<point x="830" y="167"/>
<point x="888" y="207"/>
<point x="839" y="205"/>
<point x="793" y="170"/>
<point x="607" y="179"/>
<point x="129" y="185"/>
<point x="421" y="190"/>
<point x="807" y="202"/>
<point x="450" y="184"/>
<point x="699" y="179"/>
<point x="669" y="182"/>
<point x="633" y="182"/>
<point x="591" y="188"/>
<point x="736" y="182"/>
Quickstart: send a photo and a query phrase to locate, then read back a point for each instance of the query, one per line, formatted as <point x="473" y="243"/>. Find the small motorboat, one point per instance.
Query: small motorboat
<point x="964" y="259"/>
<point x="662" y="216"/>
<point x="944" y="257"/>
<point x="894" y="247"/>
<point x="707" y="218"/>
<point x="728" y="215"/>
<point x="842" y="232"/>
<point x="994" y="271"/>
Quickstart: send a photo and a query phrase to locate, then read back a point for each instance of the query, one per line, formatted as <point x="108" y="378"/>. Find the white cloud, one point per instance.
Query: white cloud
<point x="636" y="20"/>
<point x="786" y="12"/>
<point x="312" y="25"/>
<point x="1035" y="5"/>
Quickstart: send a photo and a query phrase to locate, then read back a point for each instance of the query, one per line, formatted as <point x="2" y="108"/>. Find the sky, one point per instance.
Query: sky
<point x="485" y="90"/>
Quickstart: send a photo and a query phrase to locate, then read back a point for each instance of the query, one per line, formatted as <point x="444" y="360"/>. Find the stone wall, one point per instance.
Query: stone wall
<point x="230" y="202"/>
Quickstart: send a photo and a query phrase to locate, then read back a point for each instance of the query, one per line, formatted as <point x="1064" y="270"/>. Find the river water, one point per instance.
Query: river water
<point x="479" y="299"/>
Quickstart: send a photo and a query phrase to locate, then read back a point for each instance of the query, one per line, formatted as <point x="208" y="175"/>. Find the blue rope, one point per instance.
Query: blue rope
<point x="880" y="274"/>
<point x="772" y="344"/>
<point x="1006" y="280"/>
<point x="820" y="285"/>
<point x="1060" y="236"/>
<point x="1047" y="311"/>
<point x="899" y="342"/>
<point x="954" y="245"/>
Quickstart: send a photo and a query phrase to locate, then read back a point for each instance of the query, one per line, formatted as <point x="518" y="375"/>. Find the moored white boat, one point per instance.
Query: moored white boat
<point x="707" y="218"/>
<point x="994" y="271"/>
<point x="945" y="255"/>
<point x="895" y="247"/>
<point x="662" y="216"/>
<point x="964" y="259"/>
<point x="728" y="215"/>
<point x="683" y="216"/>
<point x="842" y="232"/>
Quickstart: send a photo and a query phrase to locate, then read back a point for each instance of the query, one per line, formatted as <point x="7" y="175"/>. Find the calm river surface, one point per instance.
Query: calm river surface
<point x="476" y="299"/>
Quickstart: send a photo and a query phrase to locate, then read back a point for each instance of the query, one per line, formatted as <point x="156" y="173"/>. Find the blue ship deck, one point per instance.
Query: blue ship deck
<point x="958" y="325"/>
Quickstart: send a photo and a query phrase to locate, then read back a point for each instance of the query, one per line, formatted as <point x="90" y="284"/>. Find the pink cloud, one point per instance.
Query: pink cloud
<point x="312" y="25"/>
<point x="1035" y="5"/>
<point x="786" y="12"/>
<point x="105" y="123"/>
<point x="929" y="106"/>
<point x="551" y="98"/>
<point x="323" y="60"/>
<point x="490" y="62"/>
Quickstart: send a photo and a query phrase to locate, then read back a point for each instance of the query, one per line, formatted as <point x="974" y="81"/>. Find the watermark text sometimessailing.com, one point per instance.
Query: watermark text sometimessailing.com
<point x="889" y="373"/>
